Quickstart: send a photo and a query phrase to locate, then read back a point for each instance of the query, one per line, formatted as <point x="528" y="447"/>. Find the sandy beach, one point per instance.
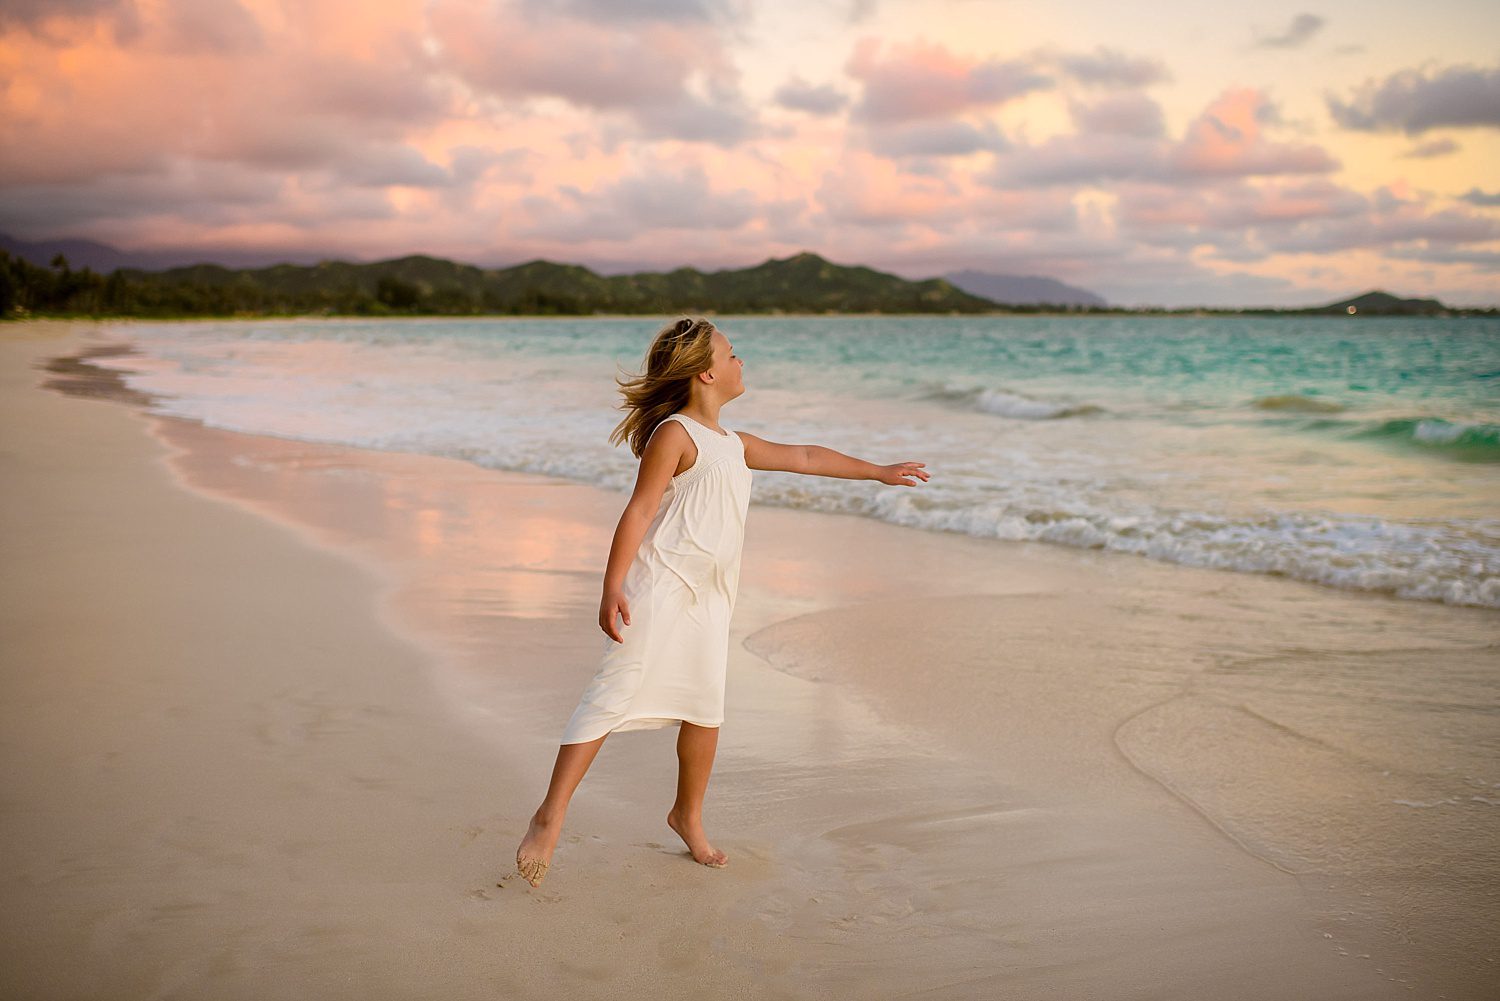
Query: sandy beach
<point x="275" y="715"/>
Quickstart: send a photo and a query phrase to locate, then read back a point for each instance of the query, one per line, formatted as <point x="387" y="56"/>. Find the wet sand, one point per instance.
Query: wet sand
<point x="276" y="714"/>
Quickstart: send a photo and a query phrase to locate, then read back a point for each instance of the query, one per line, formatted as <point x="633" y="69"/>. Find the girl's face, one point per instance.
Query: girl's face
<point x="727" y="369"/>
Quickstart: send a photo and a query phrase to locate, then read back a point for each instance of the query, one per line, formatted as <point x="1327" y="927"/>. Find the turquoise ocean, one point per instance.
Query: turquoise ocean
<point x="1359" y="453"/>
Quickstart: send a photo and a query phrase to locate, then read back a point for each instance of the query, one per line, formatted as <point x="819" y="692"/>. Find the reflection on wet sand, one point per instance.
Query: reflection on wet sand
<point x="434" y="518"/>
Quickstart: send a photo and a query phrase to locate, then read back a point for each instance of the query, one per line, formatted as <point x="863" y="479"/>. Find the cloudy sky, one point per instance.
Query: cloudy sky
<point x="1172" y="152"/>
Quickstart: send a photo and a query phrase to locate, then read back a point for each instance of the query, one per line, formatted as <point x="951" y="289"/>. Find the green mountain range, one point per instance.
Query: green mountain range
<point x="805" y="283"/>
<point x="429" y="286"/>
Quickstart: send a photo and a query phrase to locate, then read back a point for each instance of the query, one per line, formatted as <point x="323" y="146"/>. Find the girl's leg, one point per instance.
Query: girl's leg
<point x="695" y="760"/>
<point x="535" y="852"/>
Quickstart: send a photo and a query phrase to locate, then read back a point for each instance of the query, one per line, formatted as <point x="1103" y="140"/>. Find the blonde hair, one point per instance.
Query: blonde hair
<point x="681" y="350"/>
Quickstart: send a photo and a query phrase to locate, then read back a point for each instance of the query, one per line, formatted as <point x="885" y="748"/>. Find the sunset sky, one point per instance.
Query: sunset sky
<point x="1167" y="153"/>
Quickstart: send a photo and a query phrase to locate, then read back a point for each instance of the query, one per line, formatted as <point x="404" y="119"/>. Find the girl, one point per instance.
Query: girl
<point x="673" y="574"/>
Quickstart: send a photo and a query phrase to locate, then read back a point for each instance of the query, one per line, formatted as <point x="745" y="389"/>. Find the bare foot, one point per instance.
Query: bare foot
<point x="697" y="842"/>
<point x="535" y="852"/>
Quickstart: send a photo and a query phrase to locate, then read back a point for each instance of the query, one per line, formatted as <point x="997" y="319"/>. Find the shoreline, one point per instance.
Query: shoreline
<point x="981" y="821"/>
<point x="89" y="373"/>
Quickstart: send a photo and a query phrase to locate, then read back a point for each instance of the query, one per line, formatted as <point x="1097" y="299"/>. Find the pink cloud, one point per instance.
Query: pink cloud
<point x="1071" y="160"/>
<point x="923" y="81"/>
<point x="54" y="22"/>
<point x="1382" y="229"/>
<point x="1413" y="102"/>
<point x="654" y="198"/>
<point x="509" y="53"/>
<point x="1234" y="205"/>
<point x="1111" y="68"/>
<point x="89" y="107"/>
<point x="645" y="69"/>
<point x="1248" y="222"/>
<point x="1128" y="114"/>
<point x="870" y="192"/>
<point x="935" y="139"/>
<point x="1227" y="140"/>
<point x="199" y="26"/>
<point x="799" y="95"/>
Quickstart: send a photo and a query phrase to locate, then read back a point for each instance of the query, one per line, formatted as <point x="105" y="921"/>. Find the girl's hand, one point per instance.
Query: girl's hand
<point x="613" y="601"/>
<point x="899" y="474"/>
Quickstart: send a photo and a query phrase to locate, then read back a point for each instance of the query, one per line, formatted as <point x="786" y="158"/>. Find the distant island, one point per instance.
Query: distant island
<point x="1024" y="290"/>
<point x="428" y="286"/>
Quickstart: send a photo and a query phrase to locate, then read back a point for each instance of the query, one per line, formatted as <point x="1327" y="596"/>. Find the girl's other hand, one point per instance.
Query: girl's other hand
<point x="614" y="601"/>
<point x="899" y="474"/>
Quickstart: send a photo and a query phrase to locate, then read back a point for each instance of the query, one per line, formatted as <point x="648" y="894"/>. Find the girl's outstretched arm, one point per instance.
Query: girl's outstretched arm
<point x="816" y="460"/>
<point x="666" y="449"/>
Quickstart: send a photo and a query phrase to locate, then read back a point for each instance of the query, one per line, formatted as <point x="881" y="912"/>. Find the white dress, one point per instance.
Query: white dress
<point x="680" y="588"/>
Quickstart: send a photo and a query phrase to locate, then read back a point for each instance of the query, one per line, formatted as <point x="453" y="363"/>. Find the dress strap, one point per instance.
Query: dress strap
<point x="699" y="432"/>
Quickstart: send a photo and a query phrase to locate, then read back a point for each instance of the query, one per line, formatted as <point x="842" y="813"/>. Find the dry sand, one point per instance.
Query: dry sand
<point x="275" y="715"/>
